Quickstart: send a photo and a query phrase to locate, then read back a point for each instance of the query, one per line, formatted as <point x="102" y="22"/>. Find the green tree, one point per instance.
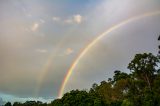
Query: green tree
<point x="143" y="67"/>
<point x="118" y="75"/>
<point x="57" y="102"/>
<point x="77" y="98"/>
<point x="17" y="104"/>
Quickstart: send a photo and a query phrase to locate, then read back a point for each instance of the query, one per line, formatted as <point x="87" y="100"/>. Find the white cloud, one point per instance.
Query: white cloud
<point x="35" y="26"/>
<point x="56" y="19"/>
<point x="77" y="19"/>
<point x="41" y="50"/>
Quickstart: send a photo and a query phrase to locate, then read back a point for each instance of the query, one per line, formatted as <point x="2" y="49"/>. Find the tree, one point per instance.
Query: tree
<point x="8" y="104"/>
<point x="57" y="102"/>
<point x="143" y="67"/>
<point x="77" y="98"/>
<point x="118" y="75"/>
<point x="104" y="90"/>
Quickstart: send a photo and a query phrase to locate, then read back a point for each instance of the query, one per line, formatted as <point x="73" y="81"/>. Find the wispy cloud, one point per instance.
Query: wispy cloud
<point x="77" y="19"/>
<point x="35" y="26"/>
<point x="74" y="19"/>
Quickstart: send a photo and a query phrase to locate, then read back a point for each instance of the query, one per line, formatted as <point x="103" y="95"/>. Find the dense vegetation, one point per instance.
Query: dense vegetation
<point x="141" y="87"/>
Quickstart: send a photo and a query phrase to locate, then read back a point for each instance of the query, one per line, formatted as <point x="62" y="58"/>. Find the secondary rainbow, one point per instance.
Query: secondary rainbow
<point x="49" y="63"/>
<point x="94" y="41"/>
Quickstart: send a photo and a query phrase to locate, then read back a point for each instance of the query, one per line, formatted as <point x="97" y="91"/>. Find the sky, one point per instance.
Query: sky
<point x="41" y="39"/>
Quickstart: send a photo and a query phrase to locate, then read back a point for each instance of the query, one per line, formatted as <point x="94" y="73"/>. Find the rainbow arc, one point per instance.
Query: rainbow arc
<point x="94" y="41"/>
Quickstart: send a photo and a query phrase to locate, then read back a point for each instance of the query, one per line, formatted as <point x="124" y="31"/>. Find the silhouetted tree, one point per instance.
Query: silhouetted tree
<point x="8" y="104"/>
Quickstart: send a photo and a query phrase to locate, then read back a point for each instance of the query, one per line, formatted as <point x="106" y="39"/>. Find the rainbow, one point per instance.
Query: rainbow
<point x="94" y="41"/>
<point x="44" y="71"/>
<point x="48" y="63"/>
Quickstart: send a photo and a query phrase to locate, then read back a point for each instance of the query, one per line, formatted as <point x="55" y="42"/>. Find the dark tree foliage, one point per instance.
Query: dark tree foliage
<point x="8" y="104"/>
<point x="30" y="103"/>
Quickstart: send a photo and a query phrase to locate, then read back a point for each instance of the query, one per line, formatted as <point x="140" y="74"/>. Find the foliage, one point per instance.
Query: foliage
<point x="8" y="104"/>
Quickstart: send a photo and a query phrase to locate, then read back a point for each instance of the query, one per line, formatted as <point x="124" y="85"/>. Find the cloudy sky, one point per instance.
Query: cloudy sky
<point x="40" y="40"/>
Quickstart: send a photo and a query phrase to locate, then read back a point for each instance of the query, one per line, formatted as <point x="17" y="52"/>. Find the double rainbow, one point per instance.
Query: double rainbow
<point x="84" y="51"/>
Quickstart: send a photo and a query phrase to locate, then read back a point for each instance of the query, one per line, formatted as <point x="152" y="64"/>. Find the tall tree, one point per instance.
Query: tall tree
<point x="143" y="67"/>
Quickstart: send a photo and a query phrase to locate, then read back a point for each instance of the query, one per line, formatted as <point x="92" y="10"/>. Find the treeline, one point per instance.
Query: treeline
<point x="140" y="87"/>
